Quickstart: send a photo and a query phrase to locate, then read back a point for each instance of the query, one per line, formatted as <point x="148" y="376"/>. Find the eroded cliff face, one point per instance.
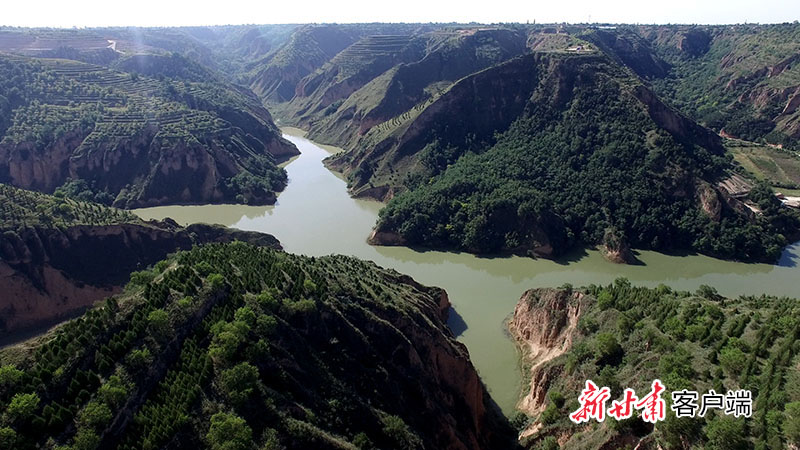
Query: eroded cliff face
<point x="455" y="399"/>
<point x="544" y="325"/>
<point x="144" y="169"/>
<point x="50" y="273"/>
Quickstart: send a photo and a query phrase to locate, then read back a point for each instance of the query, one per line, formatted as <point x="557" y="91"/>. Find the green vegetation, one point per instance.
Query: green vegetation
<point x="170" y="138"/>
<point x="566" y="172"/>
<point x="21" y="209"/>
<point x="281" y="352"/>
<point x="734" y="78"/>
<point x="390" y="78"/>
<point x="778" y="167"/>
<point x="689" y="341"/>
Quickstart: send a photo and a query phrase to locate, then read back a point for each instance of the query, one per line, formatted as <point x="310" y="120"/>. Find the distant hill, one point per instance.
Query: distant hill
<point x="275" y="76"/>
<point x="179" y="136"/>
<point x="408" y="102"/>
<point x="382" y="77"/>
<point x="235" y="346"/>
<point x="58" y="256"/>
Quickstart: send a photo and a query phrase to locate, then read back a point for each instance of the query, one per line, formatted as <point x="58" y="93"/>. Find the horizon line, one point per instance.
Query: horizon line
<point x="534" y="23"/>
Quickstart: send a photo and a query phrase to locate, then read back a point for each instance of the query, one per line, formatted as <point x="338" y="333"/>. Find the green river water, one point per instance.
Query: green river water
<point x="316" y="216"/>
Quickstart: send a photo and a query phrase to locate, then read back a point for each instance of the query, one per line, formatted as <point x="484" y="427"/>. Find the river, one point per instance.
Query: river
<point x="315" y="216"/>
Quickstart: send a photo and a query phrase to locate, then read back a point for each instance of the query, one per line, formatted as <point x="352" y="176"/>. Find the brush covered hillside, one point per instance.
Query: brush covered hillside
<point x="742" y="80"/>
<point x="548" y="150"/>
<point x="59" y="255"/>
<point x="621" y="336"/>
<point x="230" y="346"/>
<point x="383" y="77"/>
<point x="168" y="132"/>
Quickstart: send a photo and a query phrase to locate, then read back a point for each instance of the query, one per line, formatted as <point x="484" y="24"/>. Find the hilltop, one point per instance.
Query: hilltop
<point x="740" y="80"/>
<point x="235" y="346"/>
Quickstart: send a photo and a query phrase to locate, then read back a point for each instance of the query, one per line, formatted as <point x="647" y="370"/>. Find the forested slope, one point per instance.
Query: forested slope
<point x="235" y="346"/>
<point x="59" y="255"/>
<point x="550" y="150"/>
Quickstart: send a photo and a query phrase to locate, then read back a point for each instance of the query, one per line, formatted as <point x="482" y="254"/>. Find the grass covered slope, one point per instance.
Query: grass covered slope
<point x="134" y="140"/>
<point x="622" y="336"/>
<point x="562" y="150"/>
<point x="234" y="346"/>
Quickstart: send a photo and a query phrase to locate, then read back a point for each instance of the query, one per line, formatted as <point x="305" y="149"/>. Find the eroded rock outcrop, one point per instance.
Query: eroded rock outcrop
<point x="544" y="325"/>
<point x="50" y="273"/>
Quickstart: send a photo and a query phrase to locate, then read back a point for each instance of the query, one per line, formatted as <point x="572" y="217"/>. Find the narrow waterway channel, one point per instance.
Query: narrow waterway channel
<point x="316" y="216"/>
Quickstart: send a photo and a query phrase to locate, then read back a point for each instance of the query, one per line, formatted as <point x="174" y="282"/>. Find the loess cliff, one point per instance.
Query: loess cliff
<point x="58" y="257"/>
<point x="167" y="132"/>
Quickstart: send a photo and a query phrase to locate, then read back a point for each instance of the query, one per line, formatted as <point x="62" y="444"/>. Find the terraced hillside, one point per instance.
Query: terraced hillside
<point x="425" y="68"/>
<point x="59" y="255"/>
<point x="135" y="140"/>
<point x="275" y="77"/>
<point x="322" y="92"/>
<point x="281" y="351"/>
<point x="622" y="336"/>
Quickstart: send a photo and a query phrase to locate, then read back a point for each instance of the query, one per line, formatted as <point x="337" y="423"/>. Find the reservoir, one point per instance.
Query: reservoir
<point x="316" y="216"/>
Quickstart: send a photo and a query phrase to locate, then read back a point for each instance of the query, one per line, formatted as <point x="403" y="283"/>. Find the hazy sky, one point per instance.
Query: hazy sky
<point x="81" y="13"/>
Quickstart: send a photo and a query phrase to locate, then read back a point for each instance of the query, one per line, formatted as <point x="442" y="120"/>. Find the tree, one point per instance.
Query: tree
<point x="86" y="439"/>
<point x="114" y="391"/>
<point x="791" y="423"/>
<point x="95" y="415"/>
<point x="239" y="382"/>
<point x="726" y="433"/>
<point x="229" y="432"/>
<point x="158" y="324"/>
<point x="224" y="346"/>
<point x="245" y="314"/>
<point x="22" y="406"/>
<point x="396" y="429"/>
<point x="608" y="349"/>
<point x="216" y="280"/>
<point x="8" y="437"/>
<point x="733" y="360"/>
<point x="9" y="377"/>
